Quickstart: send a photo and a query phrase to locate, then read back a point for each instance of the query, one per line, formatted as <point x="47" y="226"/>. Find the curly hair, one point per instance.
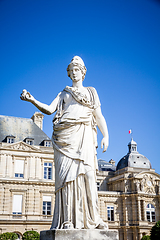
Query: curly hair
<point x="82" y="68"/>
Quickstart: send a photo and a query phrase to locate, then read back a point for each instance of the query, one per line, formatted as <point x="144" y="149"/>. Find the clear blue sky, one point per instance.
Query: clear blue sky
<point x="119" y="42"/>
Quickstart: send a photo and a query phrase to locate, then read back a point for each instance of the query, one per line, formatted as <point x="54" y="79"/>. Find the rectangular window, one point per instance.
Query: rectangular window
<point x="19" y="168"/>
<point x="10" y="140"/>
<point x="47" y="170"/>
<point x="30" y="142"/>
<point x="46" y="205"/>
<point x="110" y="213"/>
<point x="153" y="216"/>
<point x="17" y="204"/>
<point x="47" y="144"/>
<point x="148" y="216"/>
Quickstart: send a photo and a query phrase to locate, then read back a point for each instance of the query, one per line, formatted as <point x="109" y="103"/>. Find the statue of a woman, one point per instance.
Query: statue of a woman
<point x="74" y="139"/>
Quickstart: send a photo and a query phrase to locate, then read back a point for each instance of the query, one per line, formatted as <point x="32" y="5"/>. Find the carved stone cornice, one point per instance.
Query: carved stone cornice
<point x="26" y="182"/>
<point x="20" y="146"/>
<point x="18" y="190"/>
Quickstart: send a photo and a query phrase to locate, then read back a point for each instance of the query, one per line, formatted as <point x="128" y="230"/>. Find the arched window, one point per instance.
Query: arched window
<point x="150" y="212"/>
<point x="19" y="235"/>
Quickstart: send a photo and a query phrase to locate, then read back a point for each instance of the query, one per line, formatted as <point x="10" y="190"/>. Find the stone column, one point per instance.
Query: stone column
<point x="24" y="204"/>
<point x="42" y="169"/>
<point x="1" y="168"/>
<point x="134" y="209"/>
<point x="26" y="167"/>
<point x="13" y="161"/>
<point x="6" y="200"/>
<point x="139" y="210"/>
<point x="1" y="198"/>
<point x="36" y="201"/>
<point x="32" y="167"/>
<point x="41" y="204"/>
<point x="158" y="213"/>
<point x="103" y="208"/>
<point x="8" y="165"/>
<point x="3" y="165"/>
<point x="30" y="201"/>
<point x="144" y="211"/>
<point x="124" y="210"/>
<point x="38" y="168"/>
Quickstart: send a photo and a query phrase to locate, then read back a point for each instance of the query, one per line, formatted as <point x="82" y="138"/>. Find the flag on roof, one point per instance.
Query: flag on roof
<point x="130" y="131"/>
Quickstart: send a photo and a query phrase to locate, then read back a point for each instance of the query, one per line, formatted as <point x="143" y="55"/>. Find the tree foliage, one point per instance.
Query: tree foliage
<point x="146" y="237"/>
<point x="31" y="235"/>
<point x="155" y="231"/>
<point x="8" y="236"/>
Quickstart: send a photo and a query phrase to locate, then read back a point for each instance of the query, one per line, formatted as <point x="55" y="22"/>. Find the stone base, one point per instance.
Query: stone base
<point x="76" y="234"/>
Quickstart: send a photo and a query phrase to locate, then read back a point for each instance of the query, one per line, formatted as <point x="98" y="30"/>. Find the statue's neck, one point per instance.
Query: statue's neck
<point x="77" y="85"/>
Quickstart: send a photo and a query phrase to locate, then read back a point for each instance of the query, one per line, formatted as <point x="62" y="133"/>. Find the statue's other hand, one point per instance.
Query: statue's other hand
<point x="104" y="144"/>
<point x="26" y="96"/>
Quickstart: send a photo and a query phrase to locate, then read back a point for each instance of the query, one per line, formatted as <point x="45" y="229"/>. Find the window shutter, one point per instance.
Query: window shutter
<point x="17" y="204"/>
<point x="19" y="166"/>
<point x="46" y="198"/>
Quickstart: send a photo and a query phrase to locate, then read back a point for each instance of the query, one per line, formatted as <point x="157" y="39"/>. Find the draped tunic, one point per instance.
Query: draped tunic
<point x="75" y="140"/>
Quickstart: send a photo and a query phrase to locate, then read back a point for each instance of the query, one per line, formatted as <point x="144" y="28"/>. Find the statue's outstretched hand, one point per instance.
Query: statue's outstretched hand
<point x="104" y="144"/>
<point x="26" y="96"/>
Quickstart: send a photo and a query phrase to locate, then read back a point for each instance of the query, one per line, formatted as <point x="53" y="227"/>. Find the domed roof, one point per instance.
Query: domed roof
<point x="133" y="158"/>
<point x="106" y="166"/>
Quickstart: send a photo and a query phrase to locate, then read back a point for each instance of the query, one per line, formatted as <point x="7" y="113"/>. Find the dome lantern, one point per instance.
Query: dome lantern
<point x="132" y="146"/>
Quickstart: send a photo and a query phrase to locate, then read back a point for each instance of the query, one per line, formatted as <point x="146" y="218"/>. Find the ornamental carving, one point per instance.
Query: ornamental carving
<point x="127" y="186"/>
<point x="137" y="183"/>
<point x="147" y="184"/>
<point x="22" y="146"/>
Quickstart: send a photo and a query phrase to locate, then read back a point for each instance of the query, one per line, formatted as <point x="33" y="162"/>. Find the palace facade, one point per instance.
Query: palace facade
<point x="129" y="193"/>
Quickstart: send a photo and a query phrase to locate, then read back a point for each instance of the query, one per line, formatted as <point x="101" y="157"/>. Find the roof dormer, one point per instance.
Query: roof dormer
<point x="10" y="139"/>
<point x="29" y="141"/>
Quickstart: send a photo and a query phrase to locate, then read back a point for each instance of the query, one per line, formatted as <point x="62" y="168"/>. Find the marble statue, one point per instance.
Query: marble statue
<point x="74" y="140"/>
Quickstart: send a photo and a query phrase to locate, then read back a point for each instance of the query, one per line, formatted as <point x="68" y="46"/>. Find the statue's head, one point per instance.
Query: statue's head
<point x="77" y="61"/>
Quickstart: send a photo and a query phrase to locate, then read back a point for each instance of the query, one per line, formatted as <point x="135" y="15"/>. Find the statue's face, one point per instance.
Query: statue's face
<point x="75" y="74"/>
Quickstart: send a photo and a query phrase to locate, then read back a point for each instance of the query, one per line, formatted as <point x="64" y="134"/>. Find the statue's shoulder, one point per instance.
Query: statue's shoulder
<point x="92" y="89"/>
<point x="94" y="97"/>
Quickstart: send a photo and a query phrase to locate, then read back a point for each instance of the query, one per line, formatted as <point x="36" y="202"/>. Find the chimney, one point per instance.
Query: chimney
<point x="38" y="119"/>
<point x="112" y="162"/>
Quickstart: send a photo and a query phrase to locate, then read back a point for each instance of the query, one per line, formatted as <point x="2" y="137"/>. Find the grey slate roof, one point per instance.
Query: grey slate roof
<point x="21" y="128"/>
<point x="133" y="159"/>
<point x="105" y="166"/>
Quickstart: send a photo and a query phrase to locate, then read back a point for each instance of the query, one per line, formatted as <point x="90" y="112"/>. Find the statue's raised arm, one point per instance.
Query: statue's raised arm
<point x="78" y="112"/>
<point x="47" y="109"/>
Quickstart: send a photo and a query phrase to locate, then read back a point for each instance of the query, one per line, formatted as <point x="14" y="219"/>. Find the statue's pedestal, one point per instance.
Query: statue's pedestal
<point x="76" y="234"/>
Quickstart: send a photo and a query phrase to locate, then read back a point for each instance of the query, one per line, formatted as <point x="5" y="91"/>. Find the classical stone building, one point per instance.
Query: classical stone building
<point x="26" y="175"/>
<point x="131" y="200"/>
<point x="129" y="195"/>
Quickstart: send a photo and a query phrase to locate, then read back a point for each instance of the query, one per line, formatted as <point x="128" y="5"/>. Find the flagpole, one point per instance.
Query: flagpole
<point x="131" y="132"/>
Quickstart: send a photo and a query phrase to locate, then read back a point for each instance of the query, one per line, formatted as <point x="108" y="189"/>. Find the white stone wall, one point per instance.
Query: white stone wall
<point x="118" y="191"/>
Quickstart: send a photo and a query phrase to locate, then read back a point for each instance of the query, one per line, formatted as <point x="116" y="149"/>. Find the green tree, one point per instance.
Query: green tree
<point x="31" y="235"/>
<point x="8" y="236"/>
<point x="155" y="231"/>
<point x="146" y="237"/>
